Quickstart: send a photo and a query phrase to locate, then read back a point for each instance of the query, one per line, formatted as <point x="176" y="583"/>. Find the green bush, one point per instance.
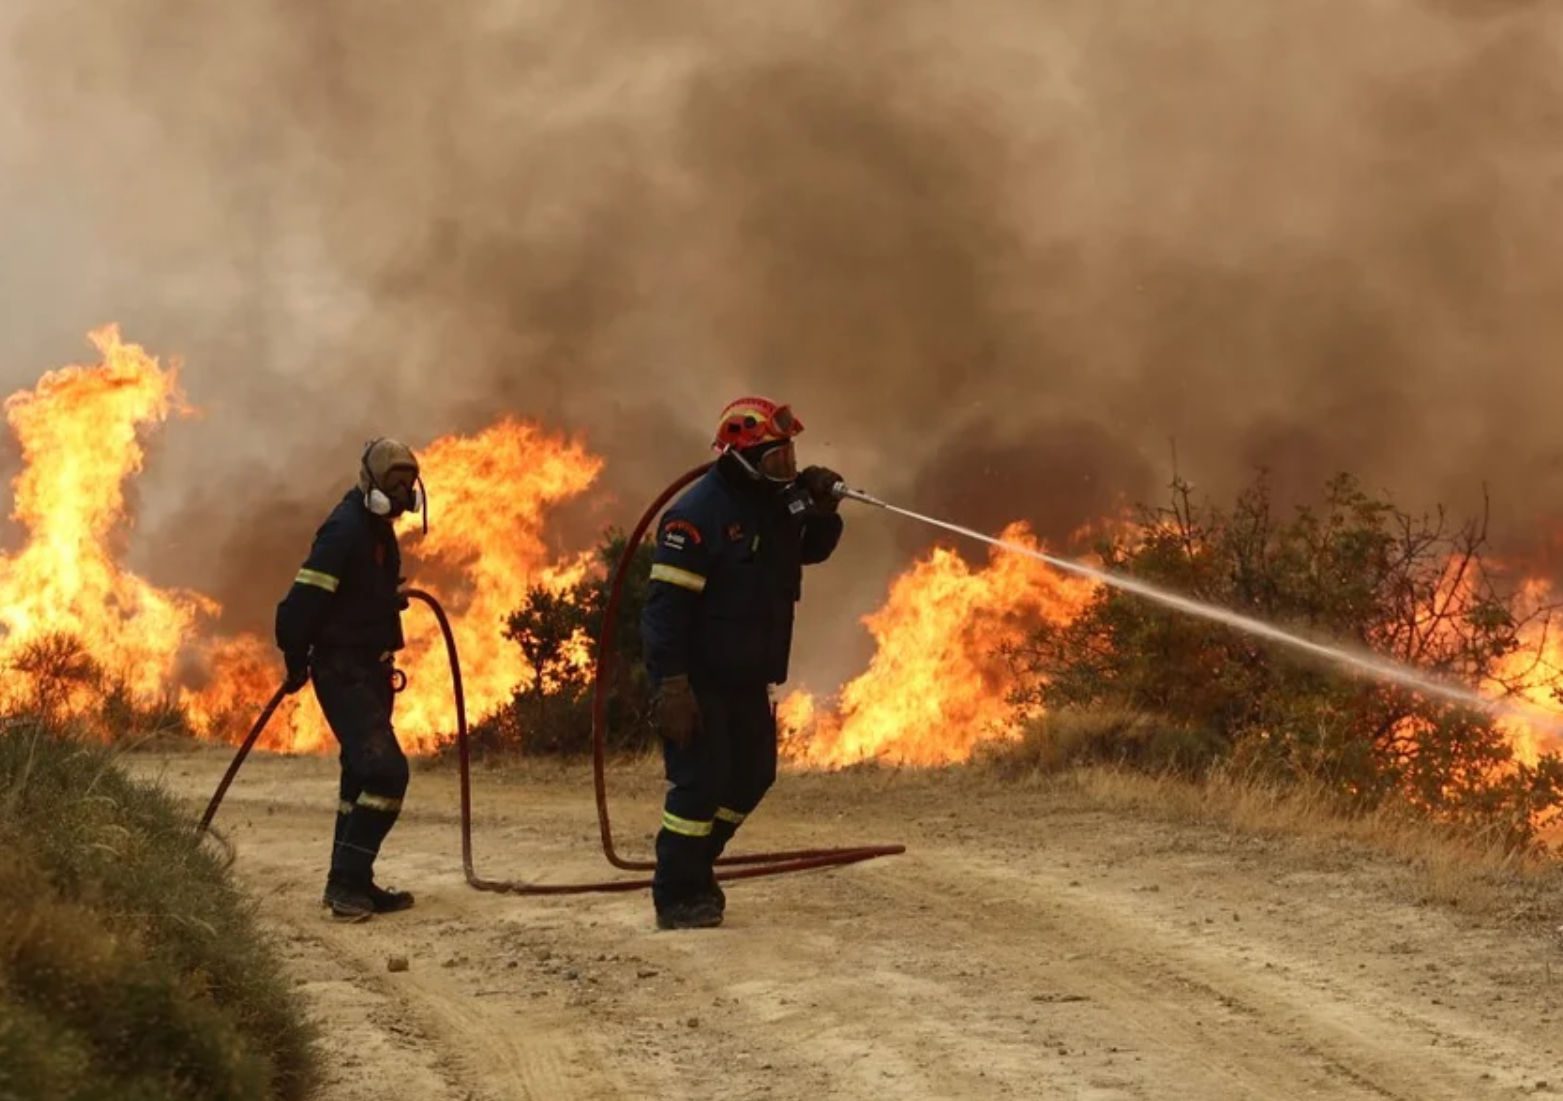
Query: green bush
<point x="550" y="711"/>
<point x="130" y="966"/>
<point x="1353" y="569"/>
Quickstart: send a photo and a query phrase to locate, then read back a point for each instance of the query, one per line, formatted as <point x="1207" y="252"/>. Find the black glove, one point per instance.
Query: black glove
<point x="298" y="671"/>
<point x="820" y="482"/>
<point x="675" y="712"/>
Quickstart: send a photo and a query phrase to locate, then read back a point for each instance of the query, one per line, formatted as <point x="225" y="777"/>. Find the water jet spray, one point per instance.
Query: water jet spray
<point x="1379" y="668"/>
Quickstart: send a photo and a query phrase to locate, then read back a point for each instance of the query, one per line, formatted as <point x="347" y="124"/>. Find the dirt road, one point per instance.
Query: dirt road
<point x="1028" y="946"/>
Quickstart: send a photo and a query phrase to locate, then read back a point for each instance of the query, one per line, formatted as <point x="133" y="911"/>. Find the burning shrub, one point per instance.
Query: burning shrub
<point x="59" y="675"/>
<point x="140" y="723"/>
<point x="1353" y="569"/>
<point x="130" y="967"/>
<point x="57" y="679"/>
<point x="558" y="634"/>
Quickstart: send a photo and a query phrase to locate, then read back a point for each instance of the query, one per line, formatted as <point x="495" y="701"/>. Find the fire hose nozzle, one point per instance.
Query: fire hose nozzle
<point x="844" y="492"/>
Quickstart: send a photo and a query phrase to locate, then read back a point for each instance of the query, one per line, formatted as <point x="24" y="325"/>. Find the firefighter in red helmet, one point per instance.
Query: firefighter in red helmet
<point x="726" y="575"/>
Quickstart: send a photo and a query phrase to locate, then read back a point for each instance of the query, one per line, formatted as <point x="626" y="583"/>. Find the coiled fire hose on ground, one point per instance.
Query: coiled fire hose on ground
<point x="743" y="866"/>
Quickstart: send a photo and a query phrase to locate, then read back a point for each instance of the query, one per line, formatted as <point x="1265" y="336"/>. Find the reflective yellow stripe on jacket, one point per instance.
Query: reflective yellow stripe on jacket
<point x="684" y="579"/>
<point x="316" y="578"/>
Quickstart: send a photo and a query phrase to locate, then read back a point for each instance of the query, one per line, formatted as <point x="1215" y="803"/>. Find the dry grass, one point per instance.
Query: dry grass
<point x="130" y="965"/>
<point x="1446" y="867"/>
<point x="1130" y="763"/>
<point x="1102" y="736"/>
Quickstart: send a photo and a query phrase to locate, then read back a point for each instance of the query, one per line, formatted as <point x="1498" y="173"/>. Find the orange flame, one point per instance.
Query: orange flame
<point x="1538" y="659"/>
<point x="78" y="430"/>
<point x="936" y="686"/>
<point x="934" y="690"/>
<point x="493" y="492"/>
<point x="78" y="434"/>
<point x="1522" y="676"/>
<point x="489" y="495"/>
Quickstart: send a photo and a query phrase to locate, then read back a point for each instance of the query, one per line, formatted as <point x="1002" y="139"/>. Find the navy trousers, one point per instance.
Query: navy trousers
<point x="716" y="782"/>
<point x="354" y="690"/>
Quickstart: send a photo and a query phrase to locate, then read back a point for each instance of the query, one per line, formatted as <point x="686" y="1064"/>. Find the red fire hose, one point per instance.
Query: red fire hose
<point x="774" y="863"/>
<point x="749" y="866"/>
<point x="238" y="759"/>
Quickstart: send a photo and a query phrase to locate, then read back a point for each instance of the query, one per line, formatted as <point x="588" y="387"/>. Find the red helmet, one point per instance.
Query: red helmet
<point x="750" y="422"/>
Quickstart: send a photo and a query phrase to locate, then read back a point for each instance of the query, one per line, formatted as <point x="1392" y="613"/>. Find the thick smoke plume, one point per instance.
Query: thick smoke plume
<point x="1000" y="254"/>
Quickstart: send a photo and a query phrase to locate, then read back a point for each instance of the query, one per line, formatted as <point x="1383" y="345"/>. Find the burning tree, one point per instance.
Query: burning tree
<point x="1418" y="589"/>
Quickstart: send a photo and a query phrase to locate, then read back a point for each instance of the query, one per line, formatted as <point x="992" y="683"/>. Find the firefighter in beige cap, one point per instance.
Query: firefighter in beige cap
<point x="340" y="623"/>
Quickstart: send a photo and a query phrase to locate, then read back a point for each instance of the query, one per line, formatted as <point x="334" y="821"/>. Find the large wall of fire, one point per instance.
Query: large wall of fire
<point x="1001" y="255"/>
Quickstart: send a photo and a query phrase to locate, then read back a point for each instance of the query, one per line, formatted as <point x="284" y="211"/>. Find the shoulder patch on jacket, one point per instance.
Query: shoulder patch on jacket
<point x="678" y="534"/>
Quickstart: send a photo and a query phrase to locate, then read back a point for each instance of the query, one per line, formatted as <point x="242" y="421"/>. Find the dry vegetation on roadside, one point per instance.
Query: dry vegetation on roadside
<point x="1124" y="762"/>
<point x="131" y="967"/>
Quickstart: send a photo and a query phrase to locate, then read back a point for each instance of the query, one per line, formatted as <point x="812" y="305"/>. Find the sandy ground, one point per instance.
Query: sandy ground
<point x="1028" y="946"/>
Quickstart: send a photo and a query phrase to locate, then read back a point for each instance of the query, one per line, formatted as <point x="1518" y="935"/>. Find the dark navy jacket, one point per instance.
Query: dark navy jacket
<point x="727" y="572"/>
<point x="345" y="595"/>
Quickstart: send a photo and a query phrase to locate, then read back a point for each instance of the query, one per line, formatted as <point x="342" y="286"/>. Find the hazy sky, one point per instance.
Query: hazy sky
<point x="999" y="254"/>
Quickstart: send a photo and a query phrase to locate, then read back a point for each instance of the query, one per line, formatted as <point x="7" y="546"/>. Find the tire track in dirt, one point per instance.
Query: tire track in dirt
<point x="1066" y="954"/>
<point x="1229" y="1014"/>
<point x="458" y="1016"/>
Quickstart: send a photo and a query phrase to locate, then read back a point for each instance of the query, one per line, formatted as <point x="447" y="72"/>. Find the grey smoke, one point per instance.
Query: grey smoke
<point x="999" y="254"/>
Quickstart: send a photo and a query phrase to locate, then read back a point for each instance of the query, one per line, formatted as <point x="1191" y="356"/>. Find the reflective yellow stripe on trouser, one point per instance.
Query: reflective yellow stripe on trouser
<point x="378" y="802"/>
<point x="727" y="814"/>
<point x="316" y="578"/>
<point x="687" y="827"/>
<point x="684" y="579"/>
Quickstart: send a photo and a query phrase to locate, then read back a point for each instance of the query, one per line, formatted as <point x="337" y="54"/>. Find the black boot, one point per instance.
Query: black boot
<point x="348" y="903"/>
<point x="387" y="901"/>
<point x="350" y="887"/>
<point x="360" y="833"/>
<point x="722" y="830"/>
<point x="344" y="807"/>
<point x="694" y="913"/>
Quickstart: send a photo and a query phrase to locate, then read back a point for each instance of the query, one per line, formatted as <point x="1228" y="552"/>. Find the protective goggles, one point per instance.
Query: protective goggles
<point x="748" y="427"/>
